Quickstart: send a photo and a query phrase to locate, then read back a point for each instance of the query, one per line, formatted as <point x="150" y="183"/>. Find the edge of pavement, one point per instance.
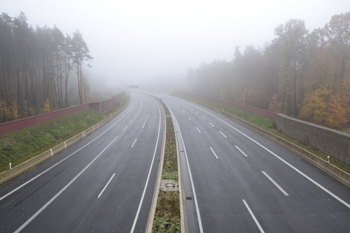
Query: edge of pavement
<point x="32" y="162"/>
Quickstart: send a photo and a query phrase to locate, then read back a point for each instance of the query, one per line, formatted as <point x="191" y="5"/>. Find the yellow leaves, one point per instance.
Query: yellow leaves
<point x="47" y="106"/>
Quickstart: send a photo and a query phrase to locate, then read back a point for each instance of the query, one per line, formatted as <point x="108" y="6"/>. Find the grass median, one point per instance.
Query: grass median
<point x="21" y="145"/>
<point x="167" y="215"/>
<point x="264" y="123"/>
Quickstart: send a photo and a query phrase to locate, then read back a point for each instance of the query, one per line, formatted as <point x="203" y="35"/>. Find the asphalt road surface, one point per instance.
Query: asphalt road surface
<point x="243" y="182"/>
<point x="104" y="183"/>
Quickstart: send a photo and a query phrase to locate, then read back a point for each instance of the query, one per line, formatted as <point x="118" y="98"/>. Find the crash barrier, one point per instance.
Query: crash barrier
<point x="11" y="126"/>
<point x="258" y="111"/>
<point x="324" y="165"/>
<point x="19" y="169"/>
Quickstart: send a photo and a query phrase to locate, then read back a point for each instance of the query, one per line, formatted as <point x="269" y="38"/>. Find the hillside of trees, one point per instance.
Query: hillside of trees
<point x="302" y="74"/>
<point x="36" y="66"/>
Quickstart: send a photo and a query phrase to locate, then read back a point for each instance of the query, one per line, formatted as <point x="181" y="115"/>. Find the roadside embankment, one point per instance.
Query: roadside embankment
<point x="28" y="147"/>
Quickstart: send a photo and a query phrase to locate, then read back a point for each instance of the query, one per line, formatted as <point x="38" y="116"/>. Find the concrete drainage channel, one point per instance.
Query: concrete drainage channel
<point x="19" y="169"/>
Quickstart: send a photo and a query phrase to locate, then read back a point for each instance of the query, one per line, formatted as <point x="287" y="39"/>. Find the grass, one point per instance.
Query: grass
<point x="21" y="145"/>
<point x="167" y="215"/>
<point x="267" y="124"/>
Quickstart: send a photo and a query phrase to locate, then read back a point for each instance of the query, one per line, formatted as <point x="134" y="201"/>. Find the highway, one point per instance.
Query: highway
<point x="103" y="183"/>
<point x="243" y="182"/>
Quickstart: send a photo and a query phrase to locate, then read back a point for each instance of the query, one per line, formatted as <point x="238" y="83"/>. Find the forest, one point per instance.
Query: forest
<point x="36" y="67"/>
<point x="301" y="73"/>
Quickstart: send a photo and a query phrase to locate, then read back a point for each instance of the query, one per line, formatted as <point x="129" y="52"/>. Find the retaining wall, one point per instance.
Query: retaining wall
<point x="329" y="141"/>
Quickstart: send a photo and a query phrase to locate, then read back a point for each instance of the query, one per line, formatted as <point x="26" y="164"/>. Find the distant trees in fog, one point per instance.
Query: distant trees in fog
<point x="35" y="66"/>
<point x="300" y="73"/>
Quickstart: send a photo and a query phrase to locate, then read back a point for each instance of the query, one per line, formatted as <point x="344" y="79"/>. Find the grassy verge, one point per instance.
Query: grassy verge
<point x="167" y="215"/>
<point x="21" y="145"/>
<point x="266" y="124"/>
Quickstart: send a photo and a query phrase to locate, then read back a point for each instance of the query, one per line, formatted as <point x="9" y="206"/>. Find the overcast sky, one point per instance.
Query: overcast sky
<point x="134" y="40"/>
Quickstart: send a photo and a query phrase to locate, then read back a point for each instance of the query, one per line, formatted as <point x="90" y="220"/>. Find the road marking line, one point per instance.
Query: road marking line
<point x="203" y="117"/>
<point x="106" y="185"/>
<point x="197" y="113"/>
<point x="190" y="118"/>
<point x="282" y="160"/>
<point x="211" y="124"/>
<point x="149" y="174"/>
<point x="63" y="189"/>
<point x="241" y="151"/>
<point x="143" y="125"/>
<point x="198" y="130"/>
<point x="40" y="174"/>
<point x="274" y="182"/>
<point x="134" y="142"/>
<point x="214" y="153"/>
<point x="223" y="134"/>
<point x="253" y="216"/>
<point x="190" y="175"/>
<point x="125" y="128"/>
<point x="182" y="111"/>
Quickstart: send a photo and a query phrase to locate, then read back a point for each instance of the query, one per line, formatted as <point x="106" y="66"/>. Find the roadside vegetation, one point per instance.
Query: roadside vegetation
<point x="167" y="215"/>
<point x="266" y="124"/>
<point x="21" y="145"/>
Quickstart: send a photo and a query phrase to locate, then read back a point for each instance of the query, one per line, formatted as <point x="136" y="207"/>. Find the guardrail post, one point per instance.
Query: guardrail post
<point x="65" y="144"/>
<point x="10" y="165"/>
<point x="327" y="158"/>
<point x="51" y="152"/>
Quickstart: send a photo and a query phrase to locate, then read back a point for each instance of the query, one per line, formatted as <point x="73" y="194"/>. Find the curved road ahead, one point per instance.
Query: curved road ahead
<point x="104" y="183"/>
<point x="244" y="182"/>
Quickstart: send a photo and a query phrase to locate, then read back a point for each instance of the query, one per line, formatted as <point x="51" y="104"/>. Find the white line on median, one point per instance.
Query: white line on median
<point x="214" y="153"/>
<point x="106" y="185"/>
<point x="241" y="151"/>
<point x="274" y="182"/>
<point x="134" y="142"/>
<point x="149" y="174"/>
<point x="223" y="134"/>
<point x="190" y="175"/>
<point x="253" y="216"/>
<point x="198" y="130"/>
<point x="211" y="124"/>
<point x="63" y="189"/>
<point x="284" y="161"/>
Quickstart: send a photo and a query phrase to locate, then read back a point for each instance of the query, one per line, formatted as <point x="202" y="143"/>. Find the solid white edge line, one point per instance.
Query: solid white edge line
<point x="134" y="142"/>
<point x="223" y="134"/>
<point x="63" y="189"/>
<point x="214" y="153"/>
<point x="198" y="130"/>
<point x="275" y="183"/>
<point x="191" y="180"/>
<point x="253" y="216"/>
<point x="285" y="162"/>
<point x="241" y="151"/>
<point x="40" y="174"/>
<point x="149" y="174"/>
<point x="106" y="185"/>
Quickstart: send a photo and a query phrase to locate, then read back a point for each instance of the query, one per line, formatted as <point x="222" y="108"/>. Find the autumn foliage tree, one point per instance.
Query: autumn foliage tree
<point x="35" y="66"/>
<point x="300" y="73"/>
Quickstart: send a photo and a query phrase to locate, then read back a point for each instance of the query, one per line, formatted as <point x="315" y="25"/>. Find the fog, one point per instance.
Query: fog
<point x="154" y="43"/>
